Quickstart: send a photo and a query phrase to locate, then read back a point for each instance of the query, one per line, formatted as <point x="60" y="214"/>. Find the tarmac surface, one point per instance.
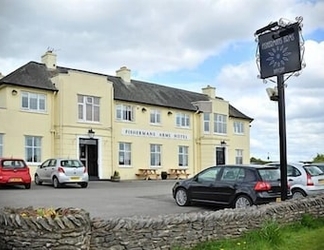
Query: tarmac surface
<point x="104" y="199"/>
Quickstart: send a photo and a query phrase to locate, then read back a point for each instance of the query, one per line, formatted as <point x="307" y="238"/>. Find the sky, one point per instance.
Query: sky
<point x="186" y="44"/>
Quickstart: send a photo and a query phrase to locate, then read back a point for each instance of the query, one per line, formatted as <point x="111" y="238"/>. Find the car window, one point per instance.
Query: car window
<point x="249" y="175"/>
<point x="45" y="164"/>
<point x="313" y="170"/>
<point x="208" y="175"/>
<point x="13" y="164"/>
<point x="71" y="163"/>
<point x="292" y="171"/>
<point x="52" y="163"/>
<point x="269" y="174"/>
<point x="230" y="174"/>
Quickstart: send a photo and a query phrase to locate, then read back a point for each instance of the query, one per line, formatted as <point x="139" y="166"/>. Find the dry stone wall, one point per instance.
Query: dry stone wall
<point x="148" y="233"/>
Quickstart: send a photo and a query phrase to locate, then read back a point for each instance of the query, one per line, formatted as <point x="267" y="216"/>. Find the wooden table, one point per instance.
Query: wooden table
<point x="147" y="173"/>
<point x="178" y="173"/>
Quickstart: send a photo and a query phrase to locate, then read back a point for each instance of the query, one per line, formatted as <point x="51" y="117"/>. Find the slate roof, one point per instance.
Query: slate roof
<point x="154" y="94"/>
<point x="36" y="75"/>
<point x="31" y="75"/>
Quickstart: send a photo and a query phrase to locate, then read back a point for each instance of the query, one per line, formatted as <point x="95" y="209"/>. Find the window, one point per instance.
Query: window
<point x="238" y="128"/>
<point x="231" y="174"/>
<point x="88" y="108"/>
<point x="1" y="145"/>
<point x="220" y="124"/>
<point x="239" y="156"/>
<point x="124" y="112"/>
<point x="183" y="156"/>
<point x="125" y="153"/>
<point x="33" y="102"/>
<point x="155" y="117"/>
<point x="206" y="122"/>
<point x="182" y="120"/>
<point x="155" y="150"/>
<point x="33" y="148"/>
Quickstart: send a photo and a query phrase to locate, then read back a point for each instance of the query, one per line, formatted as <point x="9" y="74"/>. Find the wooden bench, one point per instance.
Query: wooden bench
<point x="147" y="173"/>
<point x="178" y="173"/>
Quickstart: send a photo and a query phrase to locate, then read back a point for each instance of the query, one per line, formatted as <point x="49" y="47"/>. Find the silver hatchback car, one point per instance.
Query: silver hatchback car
<point x="60" y="171"/>
<point x="304" y="179"/>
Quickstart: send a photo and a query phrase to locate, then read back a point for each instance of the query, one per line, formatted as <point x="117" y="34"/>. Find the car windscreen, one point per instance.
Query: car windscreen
<point x="8" y="164"/>
<point x="270" y="174"/>
<point x="71" y="163"/>
<point x="313" y="170"/>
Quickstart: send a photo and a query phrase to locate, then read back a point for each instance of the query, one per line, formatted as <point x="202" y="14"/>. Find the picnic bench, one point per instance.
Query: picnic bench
<point x="178" y="173"/>
<point x="147" y="173"/>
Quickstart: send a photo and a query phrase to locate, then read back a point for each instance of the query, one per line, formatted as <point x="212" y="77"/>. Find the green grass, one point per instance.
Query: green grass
<point x="306" y="234"/>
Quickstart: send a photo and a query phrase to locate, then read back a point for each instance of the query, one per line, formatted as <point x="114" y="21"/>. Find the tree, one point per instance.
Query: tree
<point x="319" y="158"/>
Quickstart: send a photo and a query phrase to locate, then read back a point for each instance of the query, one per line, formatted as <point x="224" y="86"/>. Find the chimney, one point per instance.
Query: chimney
<point x="49" y="59"/>
<point x="1" y="75"/>
<point x="124" y="73"/>
<point x="210" y="91"/>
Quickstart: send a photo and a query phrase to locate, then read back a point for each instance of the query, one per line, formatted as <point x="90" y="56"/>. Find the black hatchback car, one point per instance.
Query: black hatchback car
<point x="234" y="186"/>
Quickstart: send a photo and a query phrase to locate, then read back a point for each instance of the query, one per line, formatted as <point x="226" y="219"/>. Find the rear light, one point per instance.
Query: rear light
<point x="262" y="186"/>
<point x="61" y="170"/>
<point x="309" y="180"/>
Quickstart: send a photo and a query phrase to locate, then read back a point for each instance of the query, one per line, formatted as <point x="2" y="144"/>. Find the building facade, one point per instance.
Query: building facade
<point x="116" y="123"/>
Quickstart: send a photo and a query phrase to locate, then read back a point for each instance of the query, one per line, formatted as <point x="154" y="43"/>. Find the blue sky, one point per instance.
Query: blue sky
<point x="186" y="44"/>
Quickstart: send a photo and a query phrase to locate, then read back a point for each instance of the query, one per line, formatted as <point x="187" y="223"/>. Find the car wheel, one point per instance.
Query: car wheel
<point x="84" y="184"/>
<point x="56" y="182"/>
<point x="37" y="181"/>
<point x="242" y="201"/>
<point x="27" y="186"/>
<point x="181" y="197"/>
<point x="297" y="193"/>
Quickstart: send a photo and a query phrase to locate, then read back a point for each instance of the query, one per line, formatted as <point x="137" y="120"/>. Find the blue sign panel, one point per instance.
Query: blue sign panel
<point x="280" y="51"/>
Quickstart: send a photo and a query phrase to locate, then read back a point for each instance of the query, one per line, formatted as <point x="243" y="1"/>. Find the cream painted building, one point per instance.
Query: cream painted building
<point x="116" y="123"/>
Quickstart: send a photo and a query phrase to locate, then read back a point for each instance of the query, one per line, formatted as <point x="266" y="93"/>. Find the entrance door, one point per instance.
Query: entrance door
<point x="88" y="149"/>
<point x="220" y="155"/>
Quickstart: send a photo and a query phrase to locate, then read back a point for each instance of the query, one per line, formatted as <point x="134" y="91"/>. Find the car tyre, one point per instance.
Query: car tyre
<point x="56" y="182"/>
<point x="84" y="184"/>
<point x="181" y="197"/>
<point x="297" y="193"/>
<point x="242" y="201"/>
<point x="27" y="186"/>
<point x="37" y="181"/>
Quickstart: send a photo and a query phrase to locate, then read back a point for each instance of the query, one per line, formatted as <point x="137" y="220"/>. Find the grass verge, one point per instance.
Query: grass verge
<point x="306" y="234"/>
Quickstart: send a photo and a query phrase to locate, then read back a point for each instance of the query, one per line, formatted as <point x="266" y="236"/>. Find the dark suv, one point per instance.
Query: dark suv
<point x="234" y="186"/>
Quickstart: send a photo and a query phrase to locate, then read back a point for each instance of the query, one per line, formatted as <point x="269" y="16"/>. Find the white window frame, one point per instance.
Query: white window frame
<point x="88" y="108"/>
<point x="238" y="127"/>
<point x="206" y="125"/>
<point x="155" y="117"/>
<point x="125" y="154"/>
<point x="155" y="155"/>
<point x="1" y="145"/>
<point x="33" y="149"/>
<point x="183" y="156"/>
<point x="124" y="112"/>
<point x="182" y="120"/>
<point x="238" y="156"/>
<point x="33" y="102"/>
<point x="220" y="123"/>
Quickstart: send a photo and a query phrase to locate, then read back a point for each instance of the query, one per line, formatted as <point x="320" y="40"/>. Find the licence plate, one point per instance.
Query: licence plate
<point x="15" y="180"/>
<point x="278" y="199"/>
<point x="75" y="178"/>
<point x="321" y="181"/>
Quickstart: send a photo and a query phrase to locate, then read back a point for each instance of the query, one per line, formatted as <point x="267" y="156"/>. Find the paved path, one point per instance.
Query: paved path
<point x="103" y="199"/>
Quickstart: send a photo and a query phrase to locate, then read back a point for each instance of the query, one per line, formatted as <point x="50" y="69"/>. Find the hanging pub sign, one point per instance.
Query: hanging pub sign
<point x="280" y="51"/>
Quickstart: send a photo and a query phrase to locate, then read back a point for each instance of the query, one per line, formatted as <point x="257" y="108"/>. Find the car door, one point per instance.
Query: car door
<point x="51" y="168"/>
<point x="42" y="170"/>
<point x="225" y="187"/>
<point x="201" y="188"/>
